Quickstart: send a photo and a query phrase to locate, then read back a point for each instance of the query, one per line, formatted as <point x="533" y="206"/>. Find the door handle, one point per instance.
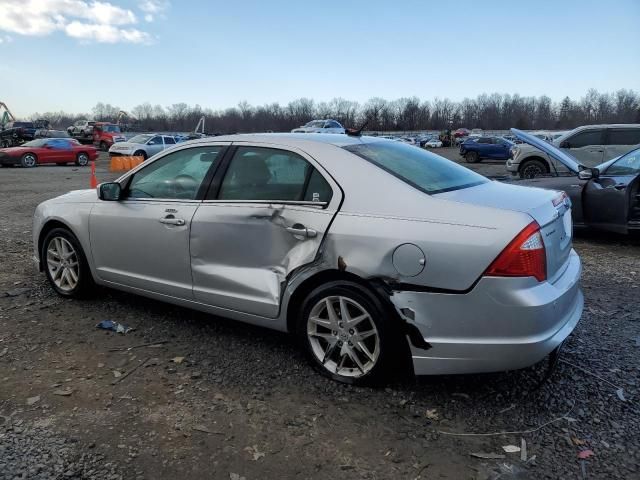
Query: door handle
<point x="171" y="220"/>
<point x="301" y="231"/>
<point x="619" y="186"/>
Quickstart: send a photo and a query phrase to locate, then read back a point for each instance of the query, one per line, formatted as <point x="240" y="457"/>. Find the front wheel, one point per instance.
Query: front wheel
<point x="140" y="153"/>
<point x="82" y="160"/>
<point x="65" y="264"/>
<point x="29" y="160"/>
<point x="347" y="335"/>
<point x="532" y="169"/>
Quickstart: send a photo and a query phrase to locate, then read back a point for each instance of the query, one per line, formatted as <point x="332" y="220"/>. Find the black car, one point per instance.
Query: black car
<point x="604" y="197"/>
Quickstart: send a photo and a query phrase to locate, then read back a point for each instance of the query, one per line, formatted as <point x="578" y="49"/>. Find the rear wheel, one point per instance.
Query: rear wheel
<point x="82" y="160"/>
<point x="472" y="157"/>
<point x="65" y="264"/>
<point x="532" y="169"/>
<point x="140" y="153"/>
<point x="347" y="335"/>
<point x="29" y="160"/>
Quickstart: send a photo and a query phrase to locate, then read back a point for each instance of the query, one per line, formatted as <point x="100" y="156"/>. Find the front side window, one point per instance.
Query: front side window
<point x="624" y="136"/>
<point x="628" y="164"/>
<point x="257" y="173"/>
<point x="178" y="175"/>
<point x="419" y="168"/>
<point x="169" y="141"/>
<point x="484" y="140"/>
<point x="155" y="141"/>
<point x="585" y="139"/>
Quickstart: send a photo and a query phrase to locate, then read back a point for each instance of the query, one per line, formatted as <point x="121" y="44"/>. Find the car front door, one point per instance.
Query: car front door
<point x="264" y="217"/>
<point x="587" y="146"/>
<point x="142" y="240"/>
<point x="154" y="145"/>
<point x="51" y="152"/>
<point x="607" y="199"/>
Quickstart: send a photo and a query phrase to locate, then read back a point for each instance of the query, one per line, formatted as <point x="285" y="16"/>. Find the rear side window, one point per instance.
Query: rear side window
<point x="257" y="173"/>
<point x="584" y="139"/>
<point x="169" y="141"/>
<point x="428" y="172"/>
<point x="624" y="136"/>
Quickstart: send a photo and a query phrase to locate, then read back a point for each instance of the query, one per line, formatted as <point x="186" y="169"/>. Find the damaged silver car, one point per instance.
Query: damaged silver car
<point x="378" y="256"/>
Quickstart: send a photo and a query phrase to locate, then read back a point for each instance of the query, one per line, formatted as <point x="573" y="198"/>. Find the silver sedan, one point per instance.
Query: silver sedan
<point x="376" y="255"/>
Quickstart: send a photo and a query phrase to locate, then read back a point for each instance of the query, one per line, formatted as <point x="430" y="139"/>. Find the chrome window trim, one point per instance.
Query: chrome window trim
<point x="271" y="202"/>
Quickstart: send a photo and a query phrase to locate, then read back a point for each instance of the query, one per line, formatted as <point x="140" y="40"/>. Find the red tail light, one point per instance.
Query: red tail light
<point x="525" y="256"/>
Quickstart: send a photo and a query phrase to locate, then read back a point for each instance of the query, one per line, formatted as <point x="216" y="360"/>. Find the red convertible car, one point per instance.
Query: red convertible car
<point x="48" y="150"/>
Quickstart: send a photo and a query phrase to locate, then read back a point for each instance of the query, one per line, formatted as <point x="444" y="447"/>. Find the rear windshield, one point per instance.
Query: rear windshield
<point x="423" y="170"/>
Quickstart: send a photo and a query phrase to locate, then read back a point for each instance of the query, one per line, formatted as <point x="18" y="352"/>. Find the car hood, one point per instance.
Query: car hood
<point x="554" y="152"/>
<point x="129" y="145"/>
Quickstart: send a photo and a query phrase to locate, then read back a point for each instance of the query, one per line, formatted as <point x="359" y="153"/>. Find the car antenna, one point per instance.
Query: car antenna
<point x="356" y="133"/>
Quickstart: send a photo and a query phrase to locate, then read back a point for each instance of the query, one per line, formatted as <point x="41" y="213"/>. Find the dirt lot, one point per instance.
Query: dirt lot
<point x="223" y="400"/>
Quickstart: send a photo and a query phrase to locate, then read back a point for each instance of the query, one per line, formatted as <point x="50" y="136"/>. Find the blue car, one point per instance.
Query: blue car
<point x="475" y="149"/>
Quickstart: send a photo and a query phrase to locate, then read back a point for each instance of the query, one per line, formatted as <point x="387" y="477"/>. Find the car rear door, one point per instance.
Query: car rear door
<point x="587" y="146"/>
<point x="621" y="140"/>
<point x="265" y="215"/>
<point x="142" y="241"/>
<point x="608" y="198"/>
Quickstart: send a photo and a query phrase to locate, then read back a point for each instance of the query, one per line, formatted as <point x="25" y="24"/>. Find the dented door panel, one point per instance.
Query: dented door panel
<point x="242" y="253"/>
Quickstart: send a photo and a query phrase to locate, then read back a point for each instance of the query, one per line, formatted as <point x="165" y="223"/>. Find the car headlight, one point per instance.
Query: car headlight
<point x="513" y="152"/>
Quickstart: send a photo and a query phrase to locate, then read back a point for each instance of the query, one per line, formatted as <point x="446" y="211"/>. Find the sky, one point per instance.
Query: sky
<point x="71" y="54"/>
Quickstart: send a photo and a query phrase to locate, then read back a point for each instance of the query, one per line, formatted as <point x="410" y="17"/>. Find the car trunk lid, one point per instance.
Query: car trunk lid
<point x="550" y="208"/>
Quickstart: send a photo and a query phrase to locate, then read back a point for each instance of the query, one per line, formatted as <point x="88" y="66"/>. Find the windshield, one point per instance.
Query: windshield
<point x="140" y="139"/>
<point x="35" y="143"/>
<point x="423" y="170"/>
<point x="315" y="124"/>
<point x="628" y="164"/>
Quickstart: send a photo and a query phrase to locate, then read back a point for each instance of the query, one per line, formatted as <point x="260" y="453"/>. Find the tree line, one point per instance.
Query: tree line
<point x="487" y="111"/>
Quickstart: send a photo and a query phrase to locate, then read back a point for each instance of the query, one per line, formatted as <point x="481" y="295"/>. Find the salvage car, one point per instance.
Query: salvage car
<point x="591" y="145"/>
<point x="145" y="145"/>
<point x="476" y="149"/>
<point x="604" y="197"/>
<point x="48" y="150"/>
<point x="320" y="126"/>
<point x="81" y="128"/>
<point x="447" y="272"/>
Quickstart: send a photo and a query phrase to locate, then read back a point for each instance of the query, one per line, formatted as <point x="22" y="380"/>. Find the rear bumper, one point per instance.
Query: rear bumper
<point x="502" y="324"/>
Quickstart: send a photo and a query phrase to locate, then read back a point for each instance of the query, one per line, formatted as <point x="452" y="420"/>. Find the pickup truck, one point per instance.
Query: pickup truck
<point x="106" y="134"/>
<point x="16" y="133"/>
<point x="475" y="149"/>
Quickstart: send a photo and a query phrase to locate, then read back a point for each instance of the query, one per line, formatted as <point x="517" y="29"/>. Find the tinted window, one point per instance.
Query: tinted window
<point x="155" y="141"/>
<point x="318" y="189"/>
<point x="169" y="141"/>
<point x="419" y="168"/>
<point x="265" y="174"/>
<point x="628" y="164"/>
<point x="624" y="136"/>
<point x="175" y="176"/>
<point x="484" y="140"/>
<point x="584" y="139"/>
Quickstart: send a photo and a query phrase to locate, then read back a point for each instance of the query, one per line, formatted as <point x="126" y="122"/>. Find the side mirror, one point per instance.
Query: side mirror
<point x="109" y="192"/>
<point x="588" y="173"/>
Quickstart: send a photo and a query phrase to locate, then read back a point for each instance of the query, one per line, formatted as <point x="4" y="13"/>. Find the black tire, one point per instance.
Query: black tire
<point x="390" y="347"/>
<point x="82" y="159"/>
<point x="85" y="284"/>
<point x="5" y="143"/>
<point x="140" y="153"/>
<point x="29" y="160"/>
<point x="532" y="168"/>
<point x="104" y="147"/>
<point x="472" y="157"/>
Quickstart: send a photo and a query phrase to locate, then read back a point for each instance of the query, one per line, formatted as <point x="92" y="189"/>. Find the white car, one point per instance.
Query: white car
<point x="433" y="143"/>
<point x="590" y="144"/>
<point x="144" y="145"/>
<point x="320" y="126"/>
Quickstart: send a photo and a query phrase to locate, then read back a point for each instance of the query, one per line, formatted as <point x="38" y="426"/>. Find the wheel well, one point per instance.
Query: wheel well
<point x="295" y="302"/>
<point x="46" y="228"/>
<point x="539" y="159"/>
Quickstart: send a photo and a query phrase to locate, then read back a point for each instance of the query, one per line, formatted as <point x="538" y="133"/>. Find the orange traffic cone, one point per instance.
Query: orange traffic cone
<point x="93" y="181"/>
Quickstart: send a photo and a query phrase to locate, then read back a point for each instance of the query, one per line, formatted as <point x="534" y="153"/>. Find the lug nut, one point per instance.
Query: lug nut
<point x="340" y="325"/>
<point x="351" y="331"/>
<point x="334" y="333"/>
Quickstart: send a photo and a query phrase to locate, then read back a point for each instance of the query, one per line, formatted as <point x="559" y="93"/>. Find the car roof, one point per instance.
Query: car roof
<point x="293" y="139"/>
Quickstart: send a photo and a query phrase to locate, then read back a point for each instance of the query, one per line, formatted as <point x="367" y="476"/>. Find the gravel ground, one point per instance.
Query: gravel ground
<point x="225" y="400"/>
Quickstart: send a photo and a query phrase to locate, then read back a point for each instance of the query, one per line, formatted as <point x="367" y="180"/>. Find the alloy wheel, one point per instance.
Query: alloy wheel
<point x="343" y="336"/>
<point x="83" y="159"/>
<point x="63" y="264"/>
<point x="531" y="171"/>
<point x="29" y="160"/>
